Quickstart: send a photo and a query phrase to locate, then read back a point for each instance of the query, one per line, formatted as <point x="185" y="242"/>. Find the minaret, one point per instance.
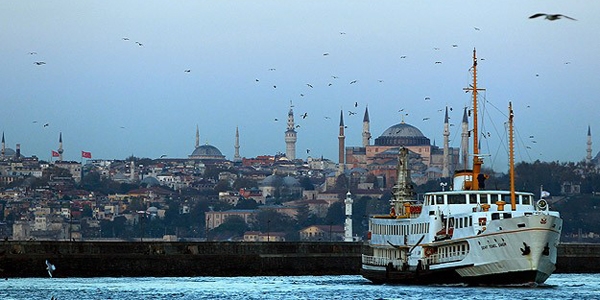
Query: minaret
<point x="290" y="137"/>
<point x="366" y="134"/>
<point x="197" y="137"/>
<point x="588" y="158"/>
<point x="3" y="147"/>
<point x="60" y="148"/>
<point x="445" y="159"/>
<point x="132" y="171"/>
<point x="236" y="155"/>
<point x="464" y="142"/>
<point x="348" y="223"/>
<point x="341" y="143"/>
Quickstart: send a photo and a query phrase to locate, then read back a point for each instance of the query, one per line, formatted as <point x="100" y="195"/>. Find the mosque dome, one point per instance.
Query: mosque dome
<point x="402" y="134"/>
<point x="150" y="181"/>
<point x="207" y="152"/>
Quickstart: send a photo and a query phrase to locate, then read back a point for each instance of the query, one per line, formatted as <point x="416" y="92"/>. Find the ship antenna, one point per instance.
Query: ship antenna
<point x="477" y="160"/>
<point x="511" y="154"/>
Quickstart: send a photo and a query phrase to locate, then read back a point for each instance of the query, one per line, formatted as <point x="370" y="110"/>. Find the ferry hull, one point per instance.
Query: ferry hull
<point x="450" y="276"/>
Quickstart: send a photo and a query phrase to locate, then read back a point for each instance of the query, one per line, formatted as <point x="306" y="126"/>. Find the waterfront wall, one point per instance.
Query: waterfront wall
<point x="160" y="259"/>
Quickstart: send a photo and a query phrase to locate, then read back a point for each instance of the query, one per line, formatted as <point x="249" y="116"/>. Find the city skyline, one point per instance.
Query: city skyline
<point x="136" y="78"/>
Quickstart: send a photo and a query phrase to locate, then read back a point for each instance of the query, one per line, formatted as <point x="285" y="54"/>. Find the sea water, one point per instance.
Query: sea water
<point x="558" y="286"/>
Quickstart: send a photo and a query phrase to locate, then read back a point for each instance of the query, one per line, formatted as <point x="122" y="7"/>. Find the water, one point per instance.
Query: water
<point x="558" y="286"/>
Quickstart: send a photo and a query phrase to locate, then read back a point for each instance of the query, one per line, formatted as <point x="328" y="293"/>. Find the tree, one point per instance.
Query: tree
<point x="244" y="183"/>
<point x="244" y="203"/>
<point x="222" y="186"/>
<point x="341" y="183"/>
<point x="234" y="226"/>
<point x="306" y="184"/>
<point x="335" y="213"/>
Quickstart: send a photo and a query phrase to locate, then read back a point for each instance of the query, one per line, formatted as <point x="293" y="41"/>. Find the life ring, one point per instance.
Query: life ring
<point x="428" y="251"/>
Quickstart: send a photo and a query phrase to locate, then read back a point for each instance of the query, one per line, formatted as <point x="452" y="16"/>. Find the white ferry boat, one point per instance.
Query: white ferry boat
<point x="466" y="235"/>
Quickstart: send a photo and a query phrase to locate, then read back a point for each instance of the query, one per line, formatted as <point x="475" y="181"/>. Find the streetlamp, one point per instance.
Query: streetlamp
<point x="141" y="213"/>
<point x="268" y="232"/>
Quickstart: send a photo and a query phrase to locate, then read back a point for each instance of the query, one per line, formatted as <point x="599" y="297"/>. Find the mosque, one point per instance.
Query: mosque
<point x="380" y="158"/>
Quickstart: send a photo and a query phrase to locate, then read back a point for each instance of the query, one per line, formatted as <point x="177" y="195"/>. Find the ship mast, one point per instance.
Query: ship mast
<point x="511" y="154"/>
<point x="477" y="160"/>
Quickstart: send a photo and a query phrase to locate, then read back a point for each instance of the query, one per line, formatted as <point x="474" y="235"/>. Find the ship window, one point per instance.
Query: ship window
<point x="505" y="198"/>
<point x="507" y="215"/>
<point x="495" y="216"/>
<point x="471" y="221"/>
<point x="521" y="225"/>
<point x="456" y="199"/>
<point x="472" y="199"/>
<point x="439" y="199"/>
<point x="460" y="223"/>
<point x="527" y="200"/>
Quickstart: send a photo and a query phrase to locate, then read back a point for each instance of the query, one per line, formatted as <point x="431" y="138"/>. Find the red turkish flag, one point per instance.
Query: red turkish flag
<point x="55" y="154"/>
<point x="86" y="154"/>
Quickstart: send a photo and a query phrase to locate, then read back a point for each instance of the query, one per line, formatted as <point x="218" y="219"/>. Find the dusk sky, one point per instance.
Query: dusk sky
<point x="248" y="59"/>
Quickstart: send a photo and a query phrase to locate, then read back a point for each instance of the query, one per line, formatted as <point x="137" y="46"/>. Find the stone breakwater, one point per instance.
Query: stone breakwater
<point x="162" y="259"/>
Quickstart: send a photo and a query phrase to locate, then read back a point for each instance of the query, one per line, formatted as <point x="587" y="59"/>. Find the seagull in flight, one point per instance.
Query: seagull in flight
<point x="353" y="81"/>
<point x="164" y="155"/>
<point x="355" y="104"/>
<point x="139" y="44"/>
<point x="32" y="53"/>
<point x="187" y="70"/>
<point x="425" y="119"/>
<point x="351" y="113"/>
<point x="50" y="268"/>
<point x="125" y="39"/>
<point x="39" y="63"/>
<point x="304" y="115"/>
<point x="47" y="124"/>
<point x="403" y="56"/>
<point x="309" y="85"/>
<point x="551" y="17"/>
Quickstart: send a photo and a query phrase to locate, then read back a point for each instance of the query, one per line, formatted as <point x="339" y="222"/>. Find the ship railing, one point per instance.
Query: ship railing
<point x="380" y="261"/>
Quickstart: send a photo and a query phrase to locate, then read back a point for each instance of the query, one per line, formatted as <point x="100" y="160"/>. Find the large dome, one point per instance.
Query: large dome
<point x="207" y="152"/>
<point x="402" y="134"/>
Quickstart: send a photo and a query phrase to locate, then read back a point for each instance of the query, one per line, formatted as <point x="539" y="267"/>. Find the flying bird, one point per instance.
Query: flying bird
<point x="274" y="86"/>
<point x="427" y="98"/>
<point x="276" y="120"/>
<point x="454" y="46"/>
<point x="304" y="115"/>
<point x="326" y="53"/>
<point x="353" y="81"/>
<point x="39" y="63"/>
<point x="164" y="155"/>
<point x="341" y="32"/>
<point x="256" y="80"/>
<point x="351" y="113"/>
<point x="272" y="69"/>
<point x="298" y="126"/>
<point x="403" y="56"/>
<point x="334" y="77"/>
<point x="32" y="53"/>
<point x="50" y="268"/>
<point x="550" y="17"/>
<point x="425" y="119"/>
<point x="301" y="95"/>
<point x="438" y="62"/>
<point x="330" y="84"/>
<point x="187" y="70"/>
<point x="476" y="28"/>
<point x="355" y="104"/>
<point x="327" y="118"/>
<point x="307" y="151"/>
<point x="47" y="124"/>
<point x="139" y="44"/>
<point x="309" y="85"/>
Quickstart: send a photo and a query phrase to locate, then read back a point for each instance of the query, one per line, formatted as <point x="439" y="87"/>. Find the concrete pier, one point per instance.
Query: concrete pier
<point x="160" y="259"/>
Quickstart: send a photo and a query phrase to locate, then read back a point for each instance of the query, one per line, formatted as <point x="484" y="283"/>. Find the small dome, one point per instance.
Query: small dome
<point x="290" y="181"/>
<point x="150" y="181"/>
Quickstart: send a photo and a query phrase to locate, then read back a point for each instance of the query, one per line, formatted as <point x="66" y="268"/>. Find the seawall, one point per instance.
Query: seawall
<point x="160" y="259"/>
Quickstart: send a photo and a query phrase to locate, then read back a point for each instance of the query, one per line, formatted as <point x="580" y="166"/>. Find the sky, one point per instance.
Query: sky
<point x="248" y="60"/>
